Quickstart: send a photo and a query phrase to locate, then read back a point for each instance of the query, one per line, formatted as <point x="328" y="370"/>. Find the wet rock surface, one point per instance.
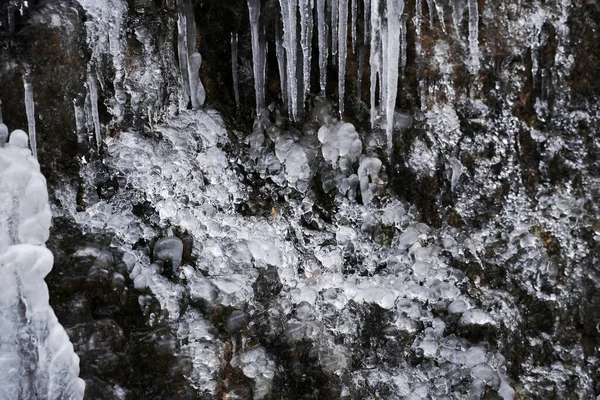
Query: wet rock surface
<point x="472" y="271"/>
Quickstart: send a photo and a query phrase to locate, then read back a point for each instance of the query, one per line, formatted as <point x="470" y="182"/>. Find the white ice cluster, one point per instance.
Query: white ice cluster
<point x="36" y="357"/>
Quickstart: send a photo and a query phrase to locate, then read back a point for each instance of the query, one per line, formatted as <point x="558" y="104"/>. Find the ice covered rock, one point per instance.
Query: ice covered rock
<point x="169" y="250"/>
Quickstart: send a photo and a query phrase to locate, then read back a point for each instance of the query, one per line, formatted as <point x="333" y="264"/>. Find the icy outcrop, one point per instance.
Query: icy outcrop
<point x="36" y="357"/>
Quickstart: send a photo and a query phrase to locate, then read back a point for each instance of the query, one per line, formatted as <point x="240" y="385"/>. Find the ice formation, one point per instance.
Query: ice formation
<point x="36" y="357"/>
<point x="305" y="275"/>
<point x="30" y="110"/>
<point x="258" y="54"/>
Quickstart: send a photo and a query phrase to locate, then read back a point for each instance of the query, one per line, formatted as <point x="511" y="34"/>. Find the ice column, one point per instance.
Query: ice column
<point x="343" y="47"/>
<point x="234" y="68"/>
<point x="93" y="91"/>
<point x="37" y="360"/>
<point x="257" y="55"/>
<point x="30" y="111"/>
<point x="474" y="35"/>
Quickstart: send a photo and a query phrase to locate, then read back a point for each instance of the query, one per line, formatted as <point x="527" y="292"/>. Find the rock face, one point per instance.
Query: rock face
<point x="441" y="242"/>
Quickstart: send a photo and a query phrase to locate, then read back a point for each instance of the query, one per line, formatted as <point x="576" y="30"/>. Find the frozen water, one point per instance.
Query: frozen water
<point x="30" y="111"/>
<point x="3" y="134"/>
<point x="169" y="249"/>
<point x="341" y="145"/>
<point x="36" y="357"/>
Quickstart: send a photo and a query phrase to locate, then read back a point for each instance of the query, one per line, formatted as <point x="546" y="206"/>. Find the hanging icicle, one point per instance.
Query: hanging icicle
<point x="403" y="44"/>
<point x="367" y="21"/>
<point x="290" y="43"/>
<point x="375" y="56"/>
<point x="353" y="23"/>
<point x="306" y="28"/>
<point x="323" y="48"/>
<point x="334" y="27"/>
<point x="234" y="69"/>
<point x="395" y="8"/>
<point x="257" y="55"/>
<point x="30" y="111"/>
<point x="93" y="92"/>
<point x="343" y="48"/>
<point x="280" y="54"/>
<point x="474" y="35"/>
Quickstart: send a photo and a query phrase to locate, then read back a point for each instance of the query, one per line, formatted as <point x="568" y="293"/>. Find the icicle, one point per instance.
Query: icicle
<point x="257" y="55"/>
<point x="361" y="62"/>
<point x="457" y="10"/>
<point x="288" y="12"/>
<point x="1" y="119"/>
<point x="182" y="52"/>
<point x="30" y="111"/>
<point x="306" y="23"/>
<point x="403" y="43"/>
<point x="323" y="48"/>
<point x="234" y="68"/>
<point x="334" y="27"/>
<point x="280" y="53"/>
<point x="474" y="35"/>
<point x="93" y="90"/>
<point x="440" y="12"/>
<point x="343" y="48"/>
<point x="353" y="23"/>
<point x="417" y="24"/>
<point x="430" y="6"/>
<point x="375" y="56"/>
<point x="367" y="20"/>
<point x="395" y="8"/>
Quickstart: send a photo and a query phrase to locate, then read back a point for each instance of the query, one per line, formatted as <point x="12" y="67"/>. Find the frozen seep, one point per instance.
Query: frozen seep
<point x="36" y="357"/>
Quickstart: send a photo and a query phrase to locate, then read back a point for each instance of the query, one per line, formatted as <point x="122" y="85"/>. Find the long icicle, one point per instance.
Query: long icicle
<point x="342" y="50"/>
<point x="474" y="35"/>
<point x="323" y="48"/>
<point x="234" y="68"/>
<point x="306" y="23"/>
<point x="257" y="55"/>
<point x="334" y="27"/>
<point x="375" y="56"/>
<point x="182" y="53"/>
<point x="395" y="8"/>
<point x="30" y="111"/>
<point x="403" y="44"/>
<point x="353" y="23"/>
<point x="367" y="21"/>
<point x="93" y="90"/>
<point x="280" y="53"/>
<point x="288" y="11"/>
